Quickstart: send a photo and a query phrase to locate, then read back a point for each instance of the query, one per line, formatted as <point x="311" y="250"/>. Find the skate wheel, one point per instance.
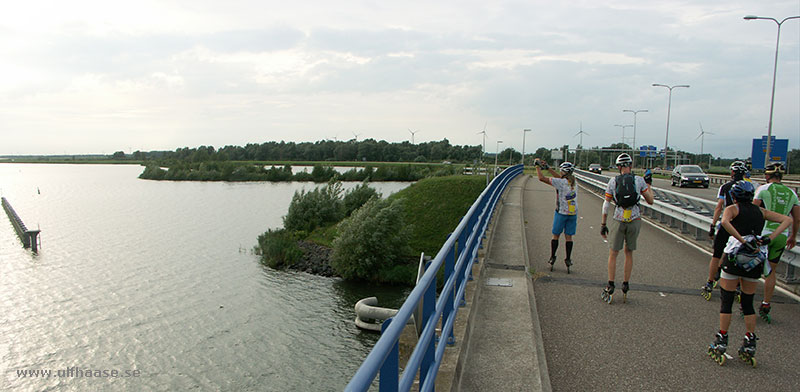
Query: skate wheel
<point x="753" y="361"/>
<point x="721" y="360"/>
<point x="625" y="298"/>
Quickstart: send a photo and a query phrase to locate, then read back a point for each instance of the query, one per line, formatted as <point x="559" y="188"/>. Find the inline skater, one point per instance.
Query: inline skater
<point x="776" y="197"/>
<point x="625" y="190"/>
<point x="724" y="199"/>
<point x="565" y="218"/>
<point x="742" y="264"/>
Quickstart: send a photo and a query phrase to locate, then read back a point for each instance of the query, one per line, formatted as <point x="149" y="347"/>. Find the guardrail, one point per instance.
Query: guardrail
<point x="457" y="255"/>
<point x="686" y="214"/>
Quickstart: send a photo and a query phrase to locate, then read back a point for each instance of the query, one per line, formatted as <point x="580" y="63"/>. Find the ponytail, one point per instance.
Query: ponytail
<point x="570" y="179"/>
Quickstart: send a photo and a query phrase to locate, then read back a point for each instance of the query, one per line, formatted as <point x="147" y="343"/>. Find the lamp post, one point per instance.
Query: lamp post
<point x="623" y="130"/>
<point x="634" y="130"/>
<point x="496" y="154"/>
<point x="669" y="108"/>
<point x="767" y="156"/>
<point x="524" y="131"/>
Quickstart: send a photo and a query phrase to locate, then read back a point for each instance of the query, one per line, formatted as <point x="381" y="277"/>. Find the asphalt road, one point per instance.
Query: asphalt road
<point x="656" y="341"/>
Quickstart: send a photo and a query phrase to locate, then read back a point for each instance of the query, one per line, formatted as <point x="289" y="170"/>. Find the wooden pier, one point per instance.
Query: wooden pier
<point x="28" y="237"/>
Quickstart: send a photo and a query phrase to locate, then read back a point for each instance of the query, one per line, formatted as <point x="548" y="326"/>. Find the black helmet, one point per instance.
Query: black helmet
<point x="775" y="169"/>
<point x="738" y="170"/>
<point x="743" y="191"/>
<point x="624" y="160"/>
<point x="566" y="167"/>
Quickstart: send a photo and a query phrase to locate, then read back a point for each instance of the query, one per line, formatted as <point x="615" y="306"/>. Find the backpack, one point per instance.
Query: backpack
<point x="625" y="193"/>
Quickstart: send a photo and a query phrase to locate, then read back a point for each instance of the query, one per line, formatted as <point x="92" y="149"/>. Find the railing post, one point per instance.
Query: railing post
<point x="449" y="298"/>
<point x="428" y="309"/>
<point x="390" y="370"/>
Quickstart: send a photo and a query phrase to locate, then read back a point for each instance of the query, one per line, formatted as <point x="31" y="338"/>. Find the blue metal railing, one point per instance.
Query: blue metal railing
<point x="457" y="255"/>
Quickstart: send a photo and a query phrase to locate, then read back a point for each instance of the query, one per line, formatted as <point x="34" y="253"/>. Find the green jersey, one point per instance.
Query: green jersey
<point x="778" y="198"/>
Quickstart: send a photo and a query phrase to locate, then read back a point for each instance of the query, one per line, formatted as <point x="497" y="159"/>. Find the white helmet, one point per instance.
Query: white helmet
<point x="624" y="160"/>
<point x="566" y="167"/>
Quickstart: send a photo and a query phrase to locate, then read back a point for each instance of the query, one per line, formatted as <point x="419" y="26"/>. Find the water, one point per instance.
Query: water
<point x="159" y="277"/>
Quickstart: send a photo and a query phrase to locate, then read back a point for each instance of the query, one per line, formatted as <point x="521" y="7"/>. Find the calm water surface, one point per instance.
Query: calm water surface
<point x="159" y="277"/>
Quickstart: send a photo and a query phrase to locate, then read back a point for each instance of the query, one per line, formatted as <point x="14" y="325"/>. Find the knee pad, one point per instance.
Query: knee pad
<point x="727" y="301"/>
<point x="747" y="304"/>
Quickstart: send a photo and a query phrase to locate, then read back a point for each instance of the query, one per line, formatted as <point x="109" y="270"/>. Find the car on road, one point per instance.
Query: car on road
<point x="689" y="175"/>
<point x="595" y="168"/>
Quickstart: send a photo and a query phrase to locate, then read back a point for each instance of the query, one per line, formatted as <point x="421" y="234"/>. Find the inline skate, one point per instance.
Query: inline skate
<point x="608" y="294"/>
<point x="552" y="262"/>
<point x="763" y="311"/>
<point x="568" y="262"/>
<point x="716" y="350"/>
<point x="625" y="289"/>
<point x="706" y="290"/>
<point x="748" y="350"/>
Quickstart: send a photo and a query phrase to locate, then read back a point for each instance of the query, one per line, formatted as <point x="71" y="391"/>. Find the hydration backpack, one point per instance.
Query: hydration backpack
<point x="625" y="194"/>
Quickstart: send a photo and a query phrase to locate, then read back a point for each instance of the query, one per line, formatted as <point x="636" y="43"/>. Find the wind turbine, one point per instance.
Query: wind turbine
<point x="483" y="152"/>
<point x="702" y="137"/>
<point x="581" y="133"/>
<point x="356" y="135"/>
<point x="412" y="134"/>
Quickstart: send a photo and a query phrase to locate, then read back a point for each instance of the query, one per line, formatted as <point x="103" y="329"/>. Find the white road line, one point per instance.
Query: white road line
<point x="703" y="251"/>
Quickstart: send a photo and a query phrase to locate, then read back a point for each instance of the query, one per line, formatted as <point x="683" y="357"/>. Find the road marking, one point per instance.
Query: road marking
<point x="703" y="251"/>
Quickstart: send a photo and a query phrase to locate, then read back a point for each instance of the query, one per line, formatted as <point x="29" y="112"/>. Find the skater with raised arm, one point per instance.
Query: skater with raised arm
<point x="776" y="197"/>
<point x="565" y="218"/>
<point x="625" y="191"/>
<point x="743" y="263"/>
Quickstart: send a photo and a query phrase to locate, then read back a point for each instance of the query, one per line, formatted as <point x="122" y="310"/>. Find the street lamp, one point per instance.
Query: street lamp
<point x="767" y="156"/>
<point x="524" y="131"/>
<point x="669" y="108"/>
<point x="634" y="130"/>
<point x="496" y="154"/>
<point x="623" y="130"/>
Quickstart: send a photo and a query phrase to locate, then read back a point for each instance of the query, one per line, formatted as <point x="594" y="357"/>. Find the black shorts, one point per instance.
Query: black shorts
<point x="720" y="240"/>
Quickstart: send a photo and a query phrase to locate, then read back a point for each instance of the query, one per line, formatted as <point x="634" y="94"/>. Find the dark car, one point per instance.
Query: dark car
<point x="595" y="168"/>
<point x="689" y="175"/>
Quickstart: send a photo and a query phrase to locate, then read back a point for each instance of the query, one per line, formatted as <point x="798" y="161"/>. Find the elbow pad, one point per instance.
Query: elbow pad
<point x="606" y="205"/>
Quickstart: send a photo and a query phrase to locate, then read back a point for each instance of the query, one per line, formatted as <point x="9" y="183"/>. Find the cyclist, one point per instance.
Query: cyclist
<point x="724" y="199"/>
<point x="565" y="218"/>
<point x="625" y="190"/>
<point x="774" y="196"/>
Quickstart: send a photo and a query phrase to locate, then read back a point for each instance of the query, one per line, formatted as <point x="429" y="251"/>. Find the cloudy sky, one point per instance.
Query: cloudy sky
<point x="102" y="76"/>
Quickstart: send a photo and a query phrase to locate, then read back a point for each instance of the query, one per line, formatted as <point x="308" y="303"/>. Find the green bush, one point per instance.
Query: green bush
<point x="371" y="242"/>
<point x="278" y="248"/>
<point x="357" y="197"/>
<point x="320" y="207"/>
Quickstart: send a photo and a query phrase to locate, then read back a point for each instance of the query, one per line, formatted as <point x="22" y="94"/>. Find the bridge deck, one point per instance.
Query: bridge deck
<point x="656" y="341"/>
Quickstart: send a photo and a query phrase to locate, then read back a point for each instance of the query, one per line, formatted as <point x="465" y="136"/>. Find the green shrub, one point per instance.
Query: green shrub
<point x="320" y="207"/>
<point x="371" y="242"/>
<point x="278" y="248"/>
<point x="357" y="197"/>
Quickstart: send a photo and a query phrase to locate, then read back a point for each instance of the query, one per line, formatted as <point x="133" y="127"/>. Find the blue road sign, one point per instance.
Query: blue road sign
<point x="778" y="151"/>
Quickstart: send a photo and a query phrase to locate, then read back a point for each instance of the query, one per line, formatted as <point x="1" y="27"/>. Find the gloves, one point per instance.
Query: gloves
<point x="648" y="177"/>
<point x="603" y="229"/>
<point x="749" y="246"/>
<point x="764" y="240"/>
<point x="544" y="165"/>
<point x="711" y="232"/>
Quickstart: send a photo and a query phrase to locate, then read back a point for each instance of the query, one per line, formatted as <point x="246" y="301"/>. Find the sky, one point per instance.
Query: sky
<point x="82" y="77"/>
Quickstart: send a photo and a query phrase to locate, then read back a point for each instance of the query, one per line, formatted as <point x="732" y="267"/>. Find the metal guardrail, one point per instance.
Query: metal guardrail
<point x="457" y="255"/>
<point x="687" y="214"/>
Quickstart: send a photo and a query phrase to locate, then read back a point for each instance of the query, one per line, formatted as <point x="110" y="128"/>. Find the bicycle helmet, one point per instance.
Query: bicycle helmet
<point x="775" y="169"/>
<point x="738" y="170"/>
<point x="566" y="167"/>
<point x="624" y="160"/>
<point x="743" y="191"/>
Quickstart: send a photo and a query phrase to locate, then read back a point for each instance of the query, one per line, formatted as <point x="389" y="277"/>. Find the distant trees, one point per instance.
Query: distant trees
<point x="328" y="150"/>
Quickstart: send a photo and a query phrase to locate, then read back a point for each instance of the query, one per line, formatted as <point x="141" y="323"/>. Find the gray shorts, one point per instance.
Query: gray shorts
<point x="624" y="233"/>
